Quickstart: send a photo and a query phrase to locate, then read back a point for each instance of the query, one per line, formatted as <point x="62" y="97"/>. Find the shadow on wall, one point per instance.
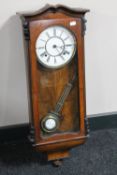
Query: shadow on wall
<point x="13" y="94"/>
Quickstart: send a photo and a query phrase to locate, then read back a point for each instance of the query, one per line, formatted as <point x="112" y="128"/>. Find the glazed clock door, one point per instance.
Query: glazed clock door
<point x="54" y="47"/>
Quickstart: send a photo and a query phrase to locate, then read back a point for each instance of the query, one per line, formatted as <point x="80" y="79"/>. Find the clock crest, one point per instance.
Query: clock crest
<point x="54" y="39"/>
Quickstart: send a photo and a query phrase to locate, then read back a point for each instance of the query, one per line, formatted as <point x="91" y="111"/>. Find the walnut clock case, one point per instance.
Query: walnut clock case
<point x="54" y="42"/>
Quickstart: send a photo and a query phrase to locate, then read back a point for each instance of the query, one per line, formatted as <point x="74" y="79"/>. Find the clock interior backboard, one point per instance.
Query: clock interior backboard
<point x="49" y="83"/>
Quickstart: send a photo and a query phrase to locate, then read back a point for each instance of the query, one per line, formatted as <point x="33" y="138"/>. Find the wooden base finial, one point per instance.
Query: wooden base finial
<point x="53" y="156"/>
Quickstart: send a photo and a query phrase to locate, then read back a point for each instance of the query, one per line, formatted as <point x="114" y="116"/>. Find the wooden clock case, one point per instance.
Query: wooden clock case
<point x="45" y="85"/>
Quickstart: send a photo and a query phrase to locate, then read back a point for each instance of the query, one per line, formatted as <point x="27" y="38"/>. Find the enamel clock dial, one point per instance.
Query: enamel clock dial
<point x="55" y="46"/>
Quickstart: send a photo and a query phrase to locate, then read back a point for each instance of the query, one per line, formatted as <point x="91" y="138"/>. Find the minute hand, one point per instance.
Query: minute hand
<point x="64" y="95"/>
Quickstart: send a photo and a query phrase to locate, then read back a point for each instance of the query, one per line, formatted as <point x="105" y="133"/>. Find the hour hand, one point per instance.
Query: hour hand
<point x="61" y="47"/>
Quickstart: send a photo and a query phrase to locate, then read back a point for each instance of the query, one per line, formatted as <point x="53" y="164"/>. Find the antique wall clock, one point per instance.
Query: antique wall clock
<point x="54" y="38"/>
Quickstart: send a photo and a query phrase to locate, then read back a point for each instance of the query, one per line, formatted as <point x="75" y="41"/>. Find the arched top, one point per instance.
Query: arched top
<point x="56" y="8"/>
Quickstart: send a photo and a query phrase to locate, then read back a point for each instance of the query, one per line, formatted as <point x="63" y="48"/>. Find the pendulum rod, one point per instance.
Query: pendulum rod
<point x="64" y="95"/>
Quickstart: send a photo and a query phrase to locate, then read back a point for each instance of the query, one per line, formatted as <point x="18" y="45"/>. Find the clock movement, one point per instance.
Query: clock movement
<point x="54" y="45"/>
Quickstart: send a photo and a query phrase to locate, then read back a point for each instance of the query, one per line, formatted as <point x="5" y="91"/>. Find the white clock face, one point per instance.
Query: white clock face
<point x="55" y="47"/>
